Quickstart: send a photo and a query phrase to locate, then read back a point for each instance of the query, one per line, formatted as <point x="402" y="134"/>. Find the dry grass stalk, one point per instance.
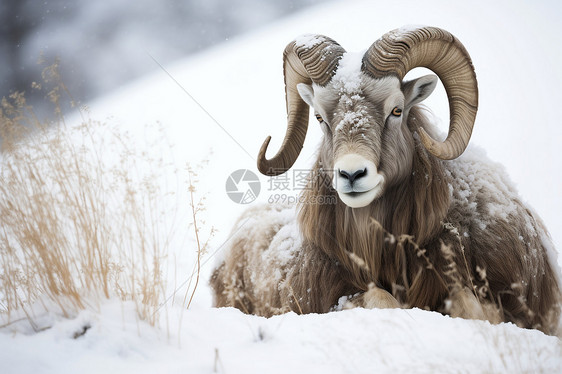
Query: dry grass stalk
<point x="76" y="225"/>
<point x="196" y="209"/>
<point x="451" y="277"/>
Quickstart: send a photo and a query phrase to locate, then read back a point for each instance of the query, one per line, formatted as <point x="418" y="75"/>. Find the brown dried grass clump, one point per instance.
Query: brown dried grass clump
<point x="81" y="215"/>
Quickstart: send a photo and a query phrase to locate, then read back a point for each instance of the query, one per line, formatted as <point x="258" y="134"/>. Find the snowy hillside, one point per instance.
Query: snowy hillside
<point x="218" y="107"/>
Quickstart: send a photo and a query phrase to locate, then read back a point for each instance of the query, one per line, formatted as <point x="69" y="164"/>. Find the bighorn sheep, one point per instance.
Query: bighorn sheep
<point x="413" y="225"/>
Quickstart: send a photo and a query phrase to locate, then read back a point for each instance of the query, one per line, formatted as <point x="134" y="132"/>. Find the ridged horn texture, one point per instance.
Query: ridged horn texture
<point x="306" y="60"/>
<point x="401" y="50"/>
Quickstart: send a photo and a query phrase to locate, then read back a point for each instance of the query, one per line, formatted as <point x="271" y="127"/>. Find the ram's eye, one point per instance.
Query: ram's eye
<point x="397" y="112"/>
<point x="319" y="117"/>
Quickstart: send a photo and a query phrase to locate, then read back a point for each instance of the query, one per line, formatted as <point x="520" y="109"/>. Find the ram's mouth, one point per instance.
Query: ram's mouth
<point x="356" y="199"/>
<point x="357" y="193"/>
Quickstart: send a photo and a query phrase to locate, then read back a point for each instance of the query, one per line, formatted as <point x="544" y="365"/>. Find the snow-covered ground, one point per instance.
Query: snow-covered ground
<point x="221" y="104"/>
<point x="227" y="341"/>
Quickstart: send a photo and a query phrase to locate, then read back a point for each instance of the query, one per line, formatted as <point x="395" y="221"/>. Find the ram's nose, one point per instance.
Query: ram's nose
<point x="353" y="172"/>
<point x="354" y="175"/>
<point x="357" y="180"/>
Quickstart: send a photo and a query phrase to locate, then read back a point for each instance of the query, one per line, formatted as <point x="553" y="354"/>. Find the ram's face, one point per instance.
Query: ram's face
<point x="363" y="105"/>
<point x="367" y="145"/>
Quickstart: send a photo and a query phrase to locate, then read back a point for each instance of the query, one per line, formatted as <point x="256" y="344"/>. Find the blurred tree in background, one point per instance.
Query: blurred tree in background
<point x="102" y="44"/>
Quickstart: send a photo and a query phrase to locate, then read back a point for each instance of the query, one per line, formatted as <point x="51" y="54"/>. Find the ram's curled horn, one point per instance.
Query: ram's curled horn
<point x="311" y="58"/>
<point x="401" y="50"/>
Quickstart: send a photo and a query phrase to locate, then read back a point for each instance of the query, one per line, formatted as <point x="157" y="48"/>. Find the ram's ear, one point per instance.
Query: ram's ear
<point x="307" y="93"/>
<point x="417" y="90"/>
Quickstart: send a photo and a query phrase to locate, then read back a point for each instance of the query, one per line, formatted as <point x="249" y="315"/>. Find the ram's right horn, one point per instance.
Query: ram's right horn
<point x="309" y="59"/>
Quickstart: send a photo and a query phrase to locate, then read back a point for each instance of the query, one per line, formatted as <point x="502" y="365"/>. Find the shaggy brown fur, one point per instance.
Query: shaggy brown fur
<point x="434" y="240"/>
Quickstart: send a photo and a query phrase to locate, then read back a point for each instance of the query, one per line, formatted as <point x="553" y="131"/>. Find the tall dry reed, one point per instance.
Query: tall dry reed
<point x="83" y="214"/>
